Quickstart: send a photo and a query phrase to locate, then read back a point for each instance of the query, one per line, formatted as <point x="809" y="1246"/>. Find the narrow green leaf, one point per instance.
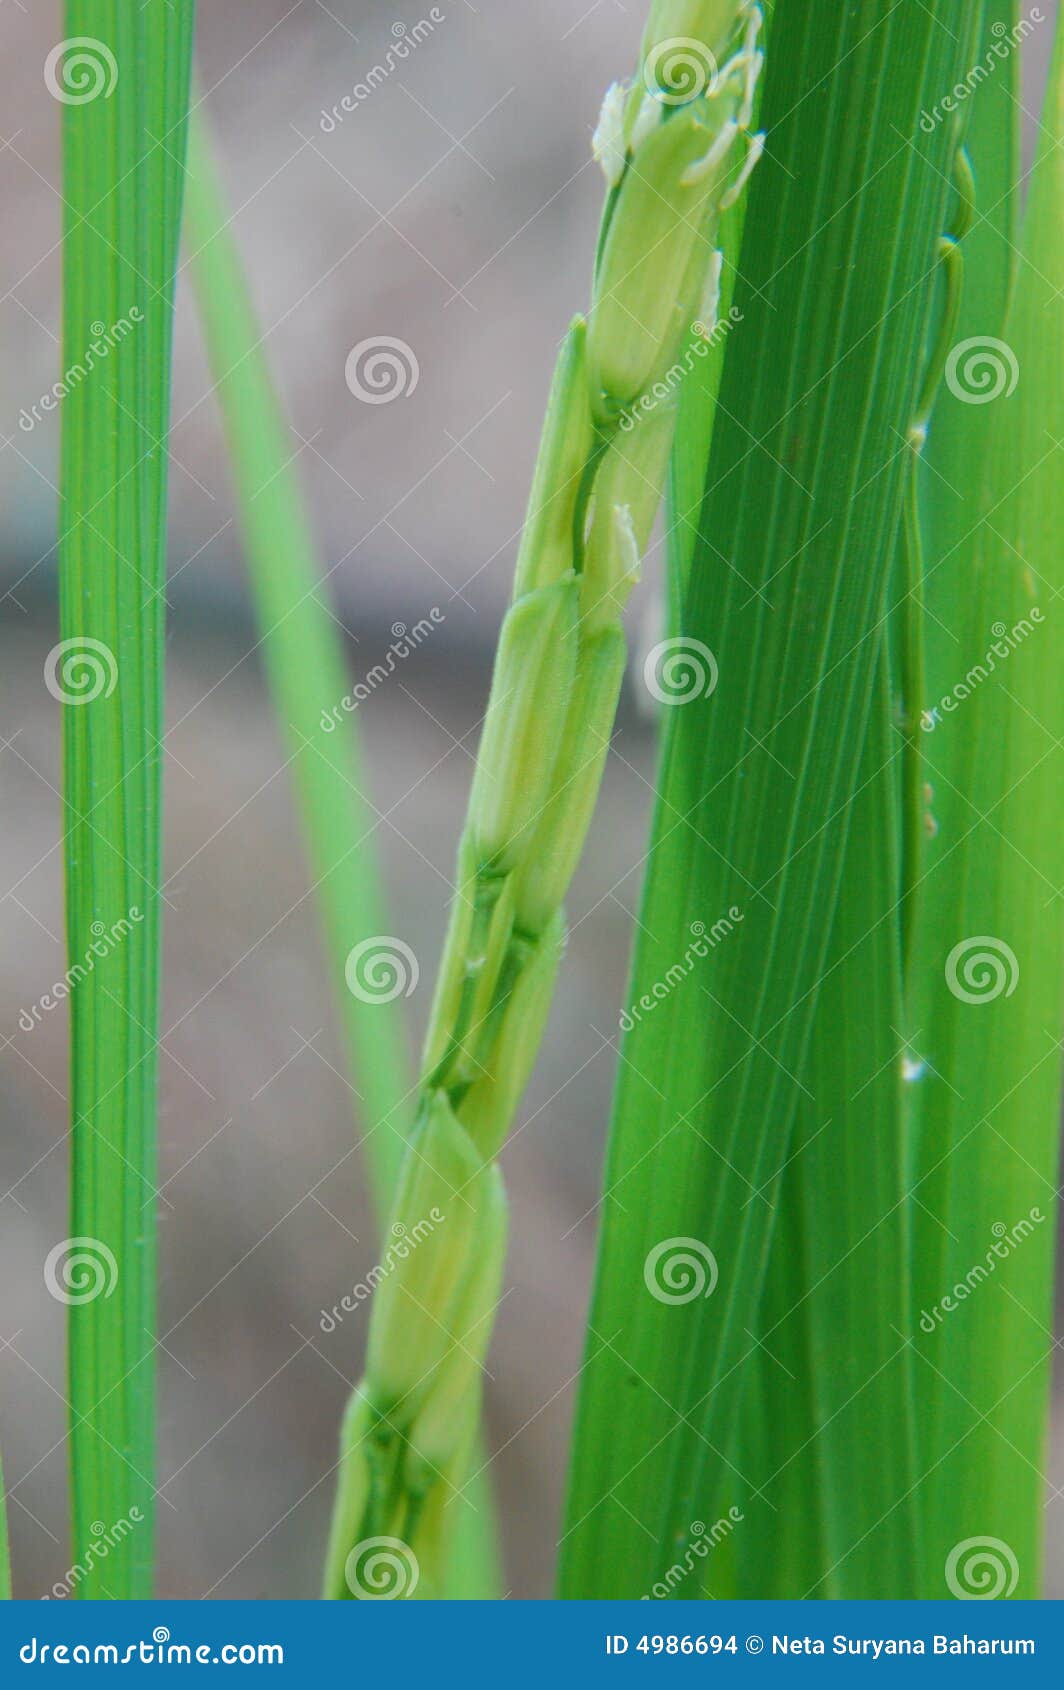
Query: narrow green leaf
<point x="303" y="655"/>
<point x="123" y="83"/>
<point x="788" y="586"/>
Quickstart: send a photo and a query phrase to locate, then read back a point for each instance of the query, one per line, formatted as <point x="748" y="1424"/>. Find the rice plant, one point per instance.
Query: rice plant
<point x="825" y="317"/>
<point x="673" y="166"/>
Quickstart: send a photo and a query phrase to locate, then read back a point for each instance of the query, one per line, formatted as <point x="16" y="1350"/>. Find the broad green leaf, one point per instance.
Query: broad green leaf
<point x="123" y="85"/>
<point x="987" y="1111"/>
<point x="832" y="1377"/>
<point x="787" y="589"/>
<point x="872" y="1397"/>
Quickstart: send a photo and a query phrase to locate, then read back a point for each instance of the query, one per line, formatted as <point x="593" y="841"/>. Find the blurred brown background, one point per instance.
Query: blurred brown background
<point x="455" y="209"/>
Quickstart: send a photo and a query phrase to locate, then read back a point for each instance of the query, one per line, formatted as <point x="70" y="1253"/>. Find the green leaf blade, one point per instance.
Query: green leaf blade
<point x="788" y="587"/>
<point x="122" y="175"/>
<point x="988" y="1116"/>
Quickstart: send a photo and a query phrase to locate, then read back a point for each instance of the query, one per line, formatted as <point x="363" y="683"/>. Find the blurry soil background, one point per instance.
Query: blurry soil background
<point x="454" y="208"/>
